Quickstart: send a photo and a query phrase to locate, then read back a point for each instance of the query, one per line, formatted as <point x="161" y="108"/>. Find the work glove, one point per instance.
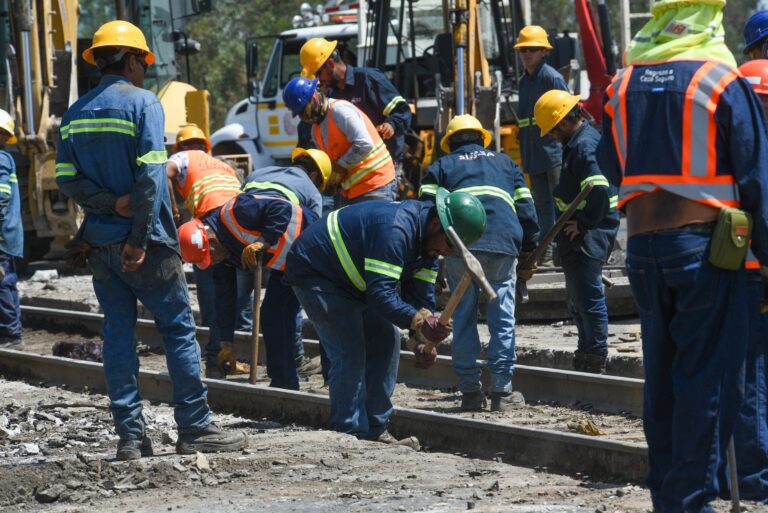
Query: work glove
<point x="76" y="253"/>
<point x="226" y="360"/>
<point x="424" y="360"/>
<point x="433" y="331"/>
<point x="527" y="273"/>
<point x="419" y="319"/>
<point x="251" y="257"/>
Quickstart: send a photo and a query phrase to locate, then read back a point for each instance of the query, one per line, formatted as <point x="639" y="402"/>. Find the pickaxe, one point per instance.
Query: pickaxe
<point x="474" y="272"/>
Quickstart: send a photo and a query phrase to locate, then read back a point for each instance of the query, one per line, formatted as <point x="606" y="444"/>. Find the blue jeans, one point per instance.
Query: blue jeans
<point x="278" y="324"/>
<point x="542" y="186"/>
<point x="160" y="285"/>
<point x="385" y="192"/>
<point x="10" y="312"/>
<point x="501" y="272"/>
<point x="206" y="301"/>
<point x="695" y="325"/>
<point x="363" y="350"/>
<point x="750" y="434"/>
<point x="244" y="305"/>
<point x="586" y="300"/>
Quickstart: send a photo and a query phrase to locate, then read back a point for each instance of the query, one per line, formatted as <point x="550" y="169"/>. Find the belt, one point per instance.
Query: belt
<point x="690" y="228"/>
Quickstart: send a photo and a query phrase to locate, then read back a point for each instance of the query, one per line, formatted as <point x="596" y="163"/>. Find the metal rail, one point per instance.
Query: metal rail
<point x="610" y="394"/>
<point x="558" y="451"/>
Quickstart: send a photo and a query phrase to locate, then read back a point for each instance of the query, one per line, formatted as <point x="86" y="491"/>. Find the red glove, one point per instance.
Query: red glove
<point x="424" y="360"/>
<point x="433" y="330"/>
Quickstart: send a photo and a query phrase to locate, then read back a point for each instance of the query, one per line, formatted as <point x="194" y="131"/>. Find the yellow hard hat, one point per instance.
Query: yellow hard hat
<point x="7" y="125"/>
<point x="552" y="107"/>
<point x="320" y="159"/>
<point x="119" y="33"/>
<point x="461" y="124"/>
<point x="313" y="55"/>
<point x="533" y="36"/>
<point x="190" y="131"/>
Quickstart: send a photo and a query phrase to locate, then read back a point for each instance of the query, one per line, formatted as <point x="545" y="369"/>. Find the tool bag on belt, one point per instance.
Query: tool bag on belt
<point x="730" y="240"/>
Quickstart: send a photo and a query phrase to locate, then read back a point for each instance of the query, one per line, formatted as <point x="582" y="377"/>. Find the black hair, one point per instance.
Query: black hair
<point x="336" y="56"/>
<point x="574" y="115"/>
<point x="307" y="163"/>
<point x="466" y="137"/>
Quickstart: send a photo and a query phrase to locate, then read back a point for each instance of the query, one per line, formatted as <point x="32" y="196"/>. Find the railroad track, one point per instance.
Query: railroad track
<point x="568" y="452"/>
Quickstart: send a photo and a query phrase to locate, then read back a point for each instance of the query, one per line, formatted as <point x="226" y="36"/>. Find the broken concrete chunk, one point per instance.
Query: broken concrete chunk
<point x="201" y="462"/>
<point x="50" y="494"/>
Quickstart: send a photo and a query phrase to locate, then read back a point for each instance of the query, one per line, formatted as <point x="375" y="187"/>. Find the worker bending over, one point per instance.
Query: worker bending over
<point x="684" y="136"/>
<point x="362" y="167"/>
<point x="512" y="231"/>
<point x="11" y="240"/>
<point x="587" y="239"/>
<point x="346" y="272"/>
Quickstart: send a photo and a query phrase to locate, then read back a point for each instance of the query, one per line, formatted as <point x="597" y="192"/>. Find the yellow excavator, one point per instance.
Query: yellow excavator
<point x="43" y="73"/>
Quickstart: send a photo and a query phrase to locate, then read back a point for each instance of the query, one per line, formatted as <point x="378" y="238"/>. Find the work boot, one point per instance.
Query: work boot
<point x="133" y="449"/>
<point x="473" y="401"/>
<point x="592" y="363"/>
<point x="411" y="441"/>
<point x="210" y="439"/>
<point x="213" y="372"/>
<point x="309" y="366"/>
<point x="505" y="401"/>
<point x="11" y="343"/>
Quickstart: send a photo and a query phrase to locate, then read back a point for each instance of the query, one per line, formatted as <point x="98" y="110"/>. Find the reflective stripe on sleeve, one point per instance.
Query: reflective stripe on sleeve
<point x="282" y="189"/>
<point x="425" y="274"/>
<point x="5" y="188"/>
<point x="385" y="268"/>
<point x="522" y="193"/>
<point x="153" y="157"/>
<point x="65" y="169"/>
<point x="391" y="105"/>
<point x="595" y="180"/>
<point x="429" y="188"/>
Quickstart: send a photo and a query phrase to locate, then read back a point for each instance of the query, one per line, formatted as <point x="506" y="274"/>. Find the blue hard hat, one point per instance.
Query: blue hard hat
<point x="755" y="29"/>
<point x="297" y="93"/>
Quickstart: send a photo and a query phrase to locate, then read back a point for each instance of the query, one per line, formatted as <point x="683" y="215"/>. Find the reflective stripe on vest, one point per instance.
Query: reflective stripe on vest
<point x="375" y="170"/>
<point x="526" y="122"/>
<point x="282" y="189"/>
<point x="334" y="231"/>
<point x="247" y="237"/>
<point x="751" y="261"/>
<point x="210" y="183"/>
<point x="697" y="179"/>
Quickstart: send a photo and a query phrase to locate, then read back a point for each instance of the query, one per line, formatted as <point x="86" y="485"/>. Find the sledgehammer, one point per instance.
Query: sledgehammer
<point x="474" y="272"/>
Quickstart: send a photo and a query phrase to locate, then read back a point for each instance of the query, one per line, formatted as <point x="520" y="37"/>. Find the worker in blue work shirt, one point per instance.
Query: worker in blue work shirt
<point x="251" y="230"/>
<point x="512" y="232"/>
<point x="11" y="240"/>
<point x="368" y="89"/>
<point x="302" y="183"/>
<point x="684" y="136"/>
<point x="541" y="157"/>
<point x="366" y="270"/>
<point x="111" y="162"/>
<point x="587" y="239"/>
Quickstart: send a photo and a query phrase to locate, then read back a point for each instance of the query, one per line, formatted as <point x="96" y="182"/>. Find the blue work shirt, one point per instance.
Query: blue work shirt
<point x="370" y="90"/>
<point x="268" y="216"/>
<point x="598" y="216"/>
<point x="11" y="229"/>
<point x="111" y="143"/>
<point x="657" y="101"/>
<point x="291" y="183"/>
<point x="538" y="154"/>
<point x="381" y="241"/>
<point x="499" y="184"/>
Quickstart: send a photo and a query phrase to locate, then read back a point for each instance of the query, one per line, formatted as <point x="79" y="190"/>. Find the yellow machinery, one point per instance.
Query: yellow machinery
<point x="43" y="74"/>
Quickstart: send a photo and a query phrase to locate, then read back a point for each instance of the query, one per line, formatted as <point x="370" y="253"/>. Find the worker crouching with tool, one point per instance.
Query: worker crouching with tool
<point x="586" y="241"/>
<point x="512" y="230"/>
<point x="245" y="228"/>
<point x="346" y="271"/>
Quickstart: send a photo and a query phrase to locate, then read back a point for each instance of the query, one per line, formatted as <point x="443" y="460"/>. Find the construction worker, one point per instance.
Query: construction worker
<point x="750" y="434"/>
<point x="685" y="138"/>
<point x="302" y="183"/>
<point x="246" y="227"/>
<point x="587" y="240"/>
<point x="11" y="240"/>
<point x="111" y="161"/>
<point x="368" y="89"/>
<point x="346" y="272"/>
<point x="362" y="166"/>
<point x="756" y="35"/>
<point x="512" y="231"/>
<point x="206" y="183"/>
<point x="541" y="157"/>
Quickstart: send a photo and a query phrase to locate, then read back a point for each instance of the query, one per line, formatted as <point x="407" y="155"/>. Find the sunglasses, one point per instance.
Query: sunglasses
<point x="529" y="49"/>
<point x="142" y="60"/>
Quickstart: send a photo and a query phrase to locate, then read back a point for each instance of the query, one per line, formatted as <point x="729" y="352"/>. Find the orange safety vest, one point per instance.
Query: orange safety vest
<point x="375" y="170"/>
<point x="698" y="179"/>
<point x="210" y="183"/>
<point x="247" y="237"/>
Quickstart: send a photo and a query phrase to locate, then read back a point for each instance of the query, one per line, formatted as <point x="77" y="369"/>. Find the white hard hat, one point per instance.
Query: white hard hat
<point x="7" y="124"/>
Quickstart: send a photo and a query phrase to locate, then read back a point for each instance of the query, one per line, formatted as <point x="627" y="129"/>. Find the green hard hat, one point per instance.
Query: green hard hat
<point x="463" y="212"/>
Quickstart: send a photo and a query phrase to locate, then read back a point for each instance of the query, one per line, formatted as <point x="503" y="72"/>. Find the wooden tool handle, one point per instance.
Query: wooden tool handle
<point x="450" y="306"/>
<point x="256" y="323"/>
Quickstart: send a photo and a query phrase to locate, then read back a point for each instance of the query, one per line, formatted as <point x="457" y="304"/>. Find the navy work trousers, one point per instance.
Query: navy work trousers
<point x="586" y="301"/>
<point x="10" y="312"/>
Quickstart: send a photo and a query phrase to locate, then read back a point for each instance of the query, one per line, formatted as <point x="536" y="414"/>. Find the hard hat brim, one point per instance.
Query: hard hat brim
<point x="533" y="44"/>
<point x="175" y="148"/>
<point x="442" y="208"/>
<point x="88" y="57"/>
<point x="571" y="104"/>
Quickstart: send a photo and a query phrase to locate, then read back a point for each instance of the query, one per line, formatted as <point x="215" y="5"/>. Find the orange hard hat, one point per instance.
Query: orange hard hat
<point x="756" y="73"/>
<point x="193" y="240"/>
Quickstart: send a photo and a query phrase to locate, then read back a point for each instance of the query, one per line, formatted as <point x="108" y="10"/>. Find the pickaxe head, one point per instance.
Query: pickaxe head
<point x="473" y="265"/>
